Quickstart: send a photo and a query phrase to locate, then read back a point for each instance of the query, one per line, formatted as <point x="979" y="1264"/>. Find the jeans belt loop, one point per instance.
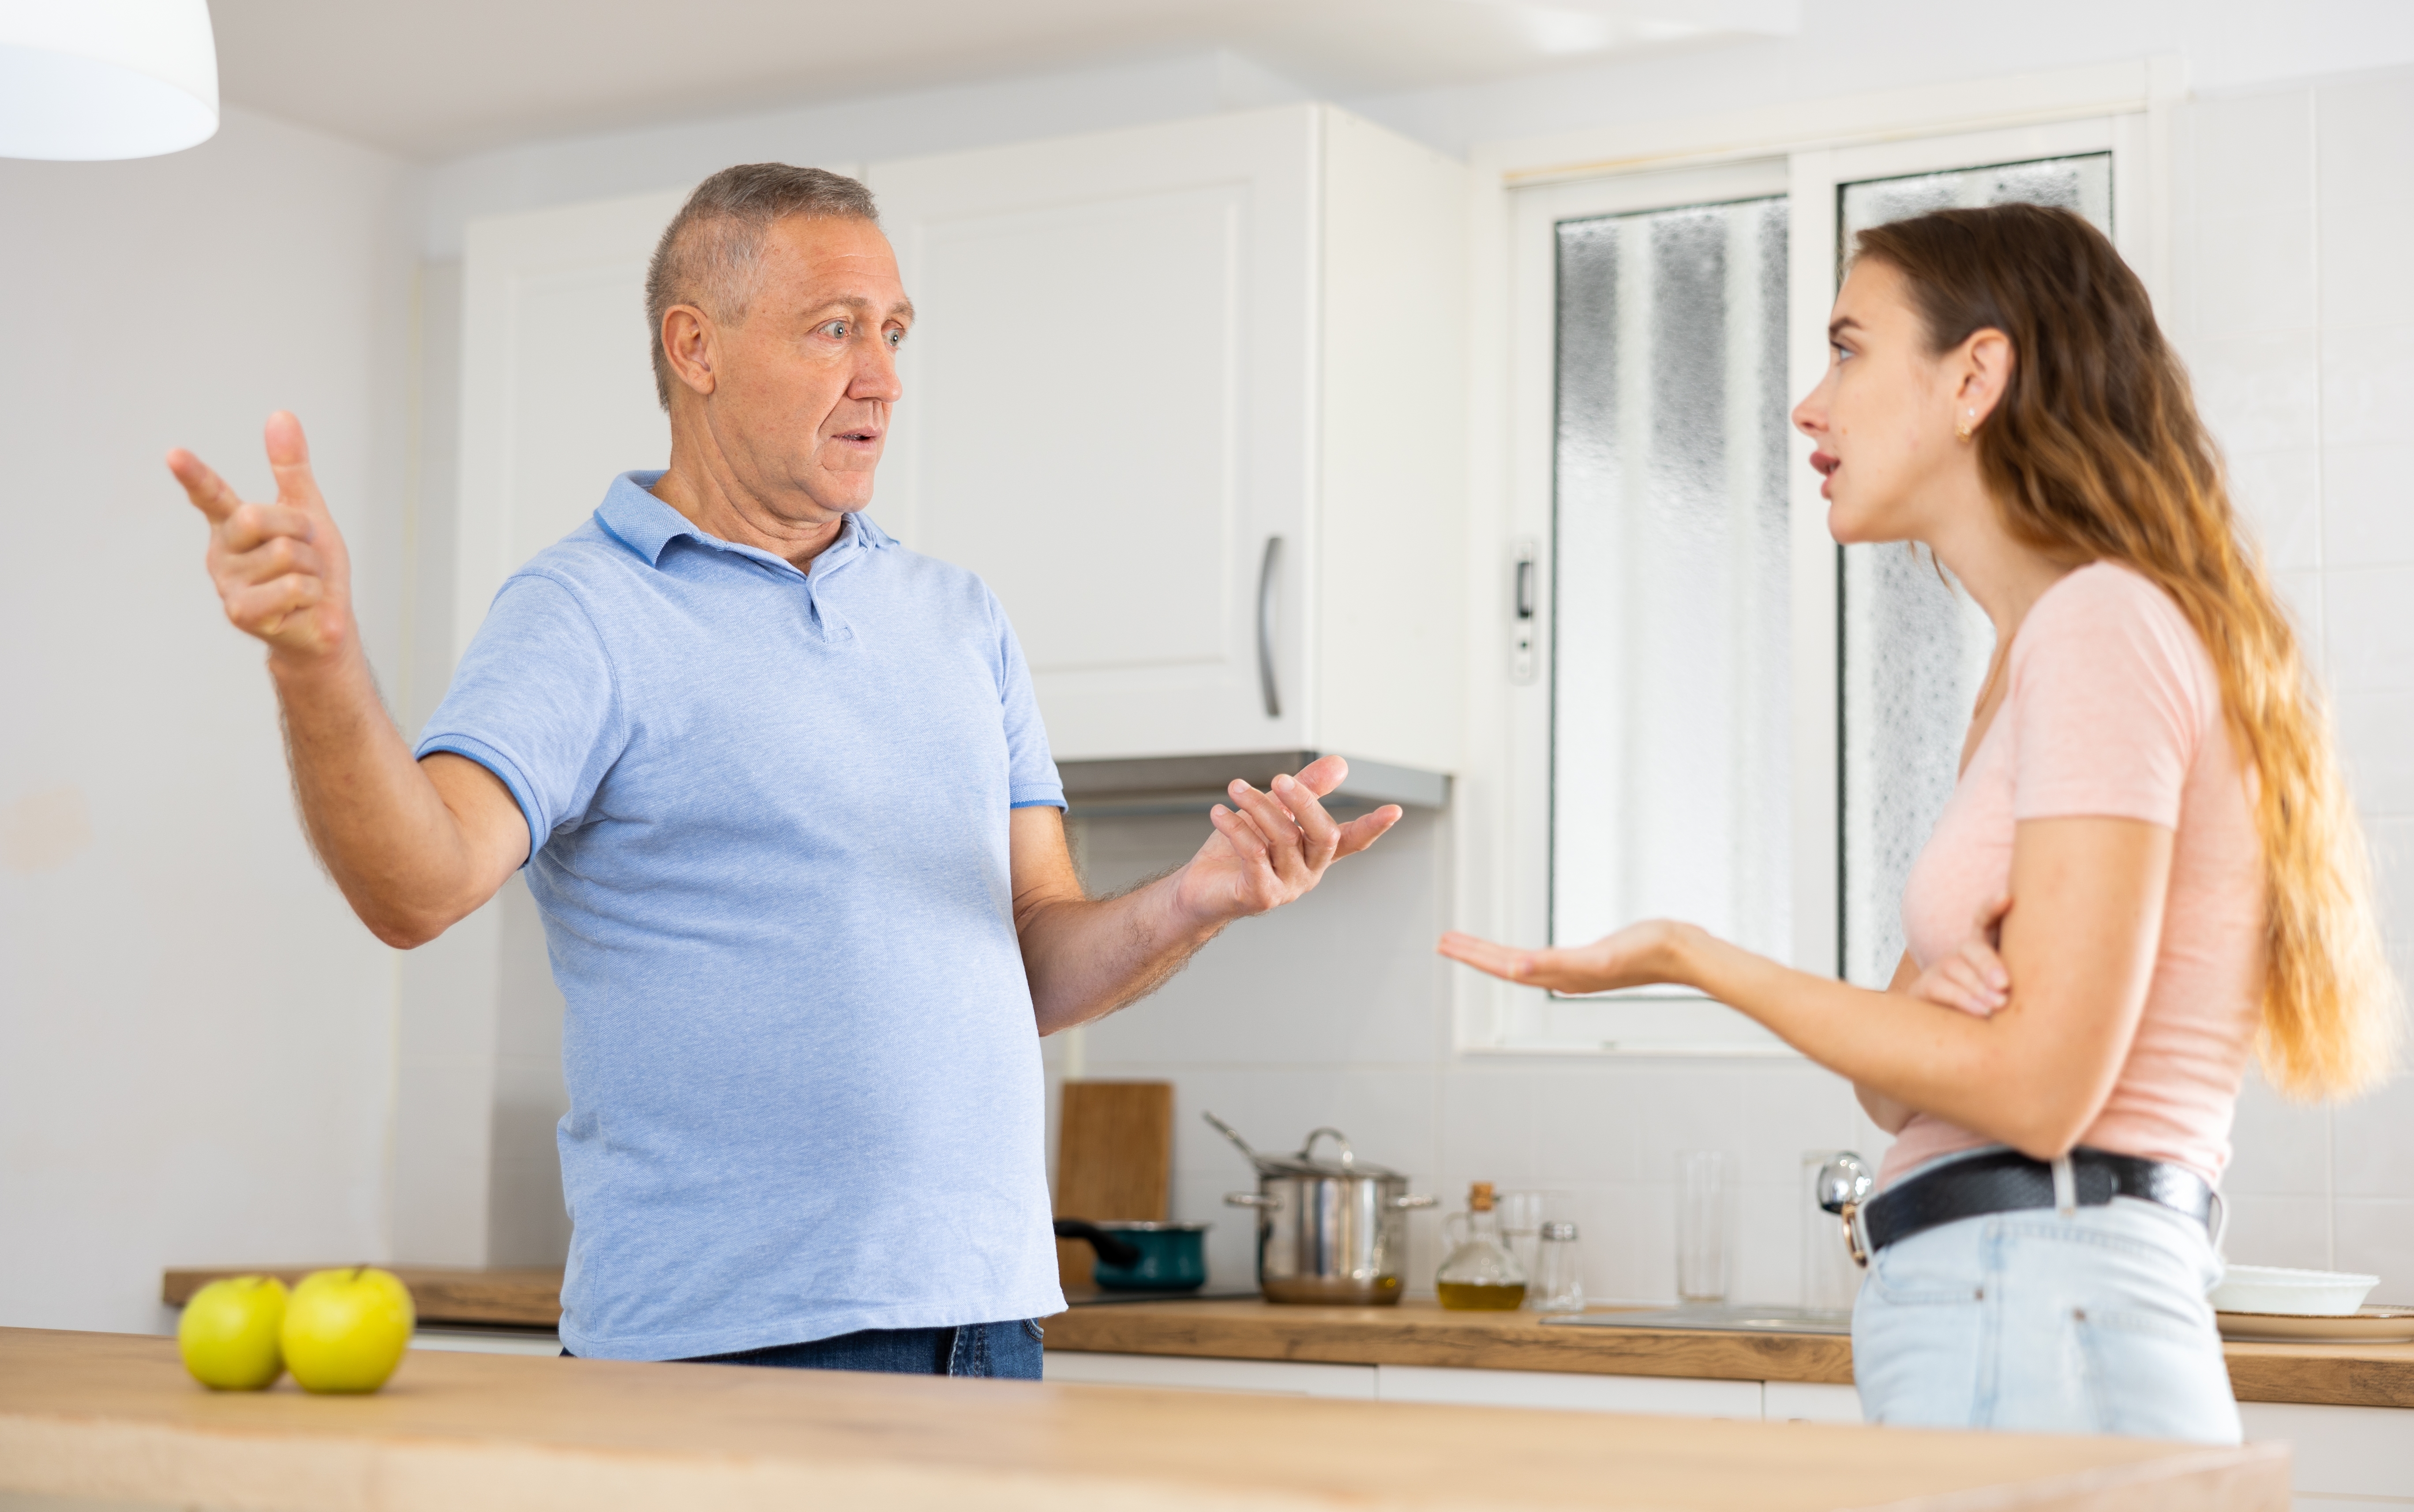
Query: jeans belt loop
<point x="2066" y="1187"/>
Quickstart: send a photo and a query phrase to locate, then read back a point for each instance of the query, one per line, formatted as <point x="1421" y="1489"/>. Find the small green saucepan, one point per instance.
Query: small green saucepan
<point x="1142" y="1257"/>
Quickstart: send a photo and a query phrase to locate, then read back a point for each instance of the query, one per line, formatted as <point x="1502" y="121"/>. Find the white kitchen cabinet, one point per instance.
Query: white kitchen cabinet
<point x="1559" y="1390"/>
<point x="2342" y="1457"/>
<point x="1810" y="1402"/>
<point x="1189" y="397"/>
<point x="1181" y="1372"/>
<point x="557" y="380"/>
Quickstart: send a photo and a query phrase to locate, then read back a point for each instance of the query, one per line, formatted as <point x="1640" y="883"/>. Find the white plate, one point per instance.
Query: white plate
<point x="2327" y="1294"/>
<point x="2367" y="1326"/>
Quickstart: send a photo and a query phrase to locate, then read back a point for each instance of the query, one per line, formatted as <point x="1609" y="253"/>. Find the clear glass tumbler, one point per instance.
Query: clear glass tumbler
<point x="1559" y="1271"/>
<point x="1702" y="1225"/>
<point x="1521" y="1220"/>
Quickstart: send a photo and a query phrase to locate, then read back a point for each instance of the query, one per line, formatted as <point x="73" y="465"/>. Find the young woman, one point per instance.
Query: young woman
<point x="2148" y="870"/>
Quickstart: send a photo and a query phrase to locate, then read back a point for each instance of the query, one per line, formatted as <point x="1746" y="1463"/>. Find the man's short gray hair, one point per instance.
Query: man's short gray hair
<point x="712" y="251"/>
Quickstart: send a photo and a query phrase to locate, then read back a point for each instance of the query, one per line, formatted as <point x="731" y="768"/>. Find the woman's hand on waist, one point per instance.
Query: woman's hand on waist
<point x="1970" y="977"/>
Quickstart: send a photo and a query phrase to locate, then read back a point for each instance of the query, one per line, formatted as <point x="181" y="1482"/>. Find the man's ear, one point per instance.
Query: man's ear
<point x="1985" y="362"/>
<point x="689" y="340"/>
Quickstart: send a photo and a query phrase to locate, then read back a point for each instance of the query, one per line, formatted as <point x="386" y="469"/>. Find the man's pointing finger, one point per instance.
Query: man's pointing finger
<point x="207" y="489"/>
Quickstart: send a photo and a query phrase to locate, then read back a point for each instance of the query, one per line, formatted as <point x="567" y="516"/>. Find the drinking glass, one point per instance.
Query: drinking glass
<point x="1702" y="1225"/>
<point x="1521" y="1221"/>
<point x="1559" y="1271"/>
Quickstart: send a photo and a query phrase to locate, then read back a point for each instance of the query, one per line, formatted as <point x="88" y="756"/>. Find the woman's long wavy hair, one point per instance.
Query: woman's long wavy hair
<point x="2095" y="453"/>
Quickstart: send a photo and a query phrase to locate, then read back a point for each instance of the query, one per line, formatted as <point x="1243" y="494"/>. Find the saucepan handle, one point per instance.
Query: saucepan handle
<point x="1113" y="1251"/>
<point x="1250" y="1199"/>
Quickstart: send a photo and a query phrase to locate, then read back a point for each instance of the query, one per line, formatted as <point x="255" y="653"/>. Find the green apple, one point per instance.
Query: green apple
<point x="229" y="1333"/>
<point x="345" y="1330"/>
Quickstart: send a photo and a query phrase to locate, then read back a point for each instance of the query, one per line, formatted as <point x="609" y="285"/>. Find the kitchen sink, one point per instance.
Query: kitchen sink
<point x="1735" y="1317"/>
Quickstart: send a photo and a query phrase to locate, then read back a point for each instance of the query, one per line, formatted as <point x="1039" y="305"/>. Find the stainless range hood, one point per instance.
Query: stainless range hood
<point x="1192" y="784"/>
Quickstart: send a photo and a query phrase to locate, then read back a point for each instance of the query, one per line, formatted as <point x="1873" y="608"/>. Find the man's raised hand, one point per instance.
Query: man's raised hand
<point x="1270" y="848"/>
<point x="280" y="569"/>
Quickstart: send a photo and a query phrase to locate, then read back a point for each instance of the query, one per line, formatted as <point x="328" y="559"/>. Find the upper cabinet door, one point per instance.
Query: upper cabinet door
<point x="557" y="380"/>
<point x="1109" y="402"/>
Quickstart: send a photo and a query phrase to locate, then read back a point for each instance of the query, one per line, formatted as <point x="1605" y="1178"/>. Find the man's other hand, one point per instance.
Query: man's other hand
<point x="1271" y="847"/>
<point x="280" y="568"/>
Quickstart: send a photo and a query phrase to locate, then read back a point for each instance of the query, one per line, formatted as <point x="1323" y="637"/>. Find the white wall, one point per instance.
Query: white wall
<point x="2294" y="309"/>
<point x="1848" y="47"/>
<point x="195" y="1034"/>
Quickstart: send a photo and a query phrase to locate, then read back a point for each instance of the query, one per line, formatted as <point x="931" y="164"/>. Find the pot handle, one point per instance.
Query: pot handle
<point x="1349" y="1156"/>
<point x="1250" y="1199"/>
<point x="1414" y="1201"/>
<point x="1113" y="1251"/>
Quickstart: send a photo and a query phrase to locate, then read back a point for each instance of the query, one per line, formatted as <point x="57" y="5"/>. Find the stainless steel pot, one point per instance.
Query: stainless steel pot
<point x="1330" y="1230"/>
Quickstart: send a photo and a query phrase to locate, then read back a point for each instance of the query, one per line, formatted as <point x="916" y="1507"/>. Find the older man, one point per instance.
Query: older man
<point x="787" y="808"/>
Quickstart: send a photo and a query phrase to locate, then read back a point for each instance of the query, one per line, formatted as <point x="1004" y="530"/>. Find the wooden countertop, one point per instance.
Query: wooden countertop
<point x="519" y="1297"/>
<point x="1422" y="1333"/>
<point x="1415" y="1333"/>
<point x="114" y="1415"/>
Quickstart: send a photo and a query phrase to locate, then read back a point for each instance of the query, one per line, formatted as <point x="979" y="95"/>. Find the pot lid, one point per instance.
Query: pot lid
<point x="1307" y="1162"/>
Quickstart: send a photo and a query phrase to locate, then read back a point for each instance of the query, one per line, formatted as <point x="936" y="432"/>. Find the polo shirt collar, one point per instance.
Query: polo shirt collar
<point x="632" y="515"/>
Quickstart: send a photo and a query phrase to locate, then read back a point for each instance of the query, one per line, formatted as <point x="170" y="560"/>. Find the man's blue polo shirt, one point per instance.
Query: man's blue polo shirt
<point x="768" y="817"/>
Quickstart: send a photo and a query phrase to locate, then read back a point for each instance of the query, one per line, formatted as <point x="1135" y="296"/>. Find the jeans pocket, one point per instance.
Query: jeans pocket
<point x="1030" y="1326"/>
<point x="1909" y="1275"/>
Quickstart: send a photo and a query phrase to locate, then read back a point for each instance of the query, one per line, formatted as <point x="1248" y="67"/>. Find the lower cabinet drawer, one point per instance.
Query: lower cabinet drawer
<point x="1282" y="1378"/>
<point x="1659" y="1396"/>
<point x="2362" y="1454"/>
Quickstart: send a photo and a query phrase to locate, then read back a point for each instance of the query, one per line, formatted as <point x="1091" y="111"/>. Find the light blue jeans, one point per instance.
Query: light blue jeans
<point x="2034" y="1322"/>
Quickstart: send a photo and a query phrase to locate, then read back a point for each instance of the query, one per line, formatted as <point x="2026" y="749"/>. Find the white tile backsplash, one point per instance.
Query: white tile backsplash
<point x="2255" y="274"/>
<point x="2257" y="152"/>
<point x="2368" y="385"/>
<point x="2292" y="1231"/>
<point x="2376" y="1235"/>
<point x="2260" y="393"/>
<point x="2366" y="200"/>
<point x="2367" y="501"/>
<point x="2368" y="622"/>
<point x="2280" y="496"/>
<point x="2279" y="1147"/>
<point x="2376" y="738"/>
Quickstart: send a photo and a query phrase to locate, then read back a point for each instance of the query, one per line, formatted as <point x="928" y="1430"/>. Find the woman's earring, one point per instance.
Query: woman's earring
<point x="1962" y="430"/>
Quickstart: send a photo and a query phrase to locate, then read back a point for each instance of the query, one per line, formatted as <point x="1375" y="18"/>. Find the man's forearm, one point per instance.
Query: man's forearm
<point x="1087" y="957"/>
<point x="379" y="826"/>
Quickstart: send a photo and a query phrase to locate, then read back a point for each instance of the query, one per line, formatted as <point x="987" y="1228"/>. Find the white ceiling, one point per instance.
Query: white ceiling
<point x="434" y="78"/>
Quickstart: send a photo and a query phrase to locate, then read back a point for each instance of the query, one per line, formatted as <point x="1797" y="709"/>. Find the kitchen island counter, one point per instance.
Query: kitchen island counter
<point x="1422" y="1333"/>
<point x="114" y="1415"/>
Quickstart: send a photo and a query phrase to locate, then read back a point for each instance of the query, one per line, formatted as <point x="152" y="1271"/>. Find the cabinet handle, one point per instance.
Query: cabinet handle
<point x="1266" y="627"/>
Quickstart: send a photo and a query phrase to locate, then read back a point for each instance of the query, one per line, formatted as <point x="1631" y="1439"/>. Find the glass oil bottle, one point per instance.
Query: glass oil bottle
<point x="1479" y="1274"/>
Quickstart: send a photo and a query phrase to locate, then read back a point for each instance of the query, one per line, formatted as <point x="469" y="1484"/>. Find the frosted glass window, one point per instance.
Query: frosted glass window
<point x="1915" y="647"/>
<point x="1670" y="696"/>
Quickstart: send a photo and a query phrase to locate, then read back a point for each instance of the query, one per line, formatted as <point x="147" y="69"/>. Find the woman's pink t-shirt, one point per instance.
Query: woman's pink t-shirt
<point x="2114" y="710"/>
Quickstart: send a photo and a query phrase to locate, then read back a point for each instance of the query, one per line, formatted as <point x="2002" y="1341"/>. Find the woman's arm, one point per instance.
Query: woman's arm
<point x="1971" y="977"/>
<point x="2079" y="946"/>
<point x="1883" y="1110"/>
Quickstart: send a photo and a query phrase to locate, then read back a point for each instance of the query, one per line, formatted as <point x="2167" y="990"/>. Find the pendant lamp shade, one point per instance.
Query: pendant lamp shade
<point x="83" y="79"/>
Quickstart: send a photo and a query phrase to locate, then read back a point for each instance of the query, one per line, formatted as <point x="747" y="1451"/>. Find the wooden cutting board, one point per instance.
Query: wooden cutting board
<point x="1114" y="1161"/>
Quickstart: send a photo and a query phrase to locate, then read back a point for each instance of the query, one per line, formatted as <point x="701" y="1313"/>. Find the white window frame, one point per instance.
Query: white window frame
<point x="1503" y="816"/>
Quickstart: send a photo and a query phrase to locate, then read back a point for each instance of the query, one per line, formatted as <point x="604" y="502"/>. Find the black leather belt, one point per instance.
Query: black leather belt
<point x="2005" y="1180"/>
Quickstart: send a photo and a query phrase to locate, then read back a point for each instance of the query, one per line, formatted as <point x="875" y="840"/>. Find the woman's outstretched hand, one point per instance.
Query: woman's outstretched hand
<point x="1639" y="954"/>
<point x="1972" y="976"/>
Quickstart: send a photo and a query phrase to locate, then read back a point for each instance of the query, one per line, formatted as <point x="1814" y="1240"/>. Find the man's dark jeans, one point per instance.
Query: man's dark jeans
<point x="1004" y="1351"/>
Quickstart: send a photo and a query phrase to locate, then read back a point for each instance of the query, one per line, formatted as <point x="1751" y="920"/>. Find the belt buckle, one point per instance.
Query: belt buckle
<point x="1856" y="1236"/>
